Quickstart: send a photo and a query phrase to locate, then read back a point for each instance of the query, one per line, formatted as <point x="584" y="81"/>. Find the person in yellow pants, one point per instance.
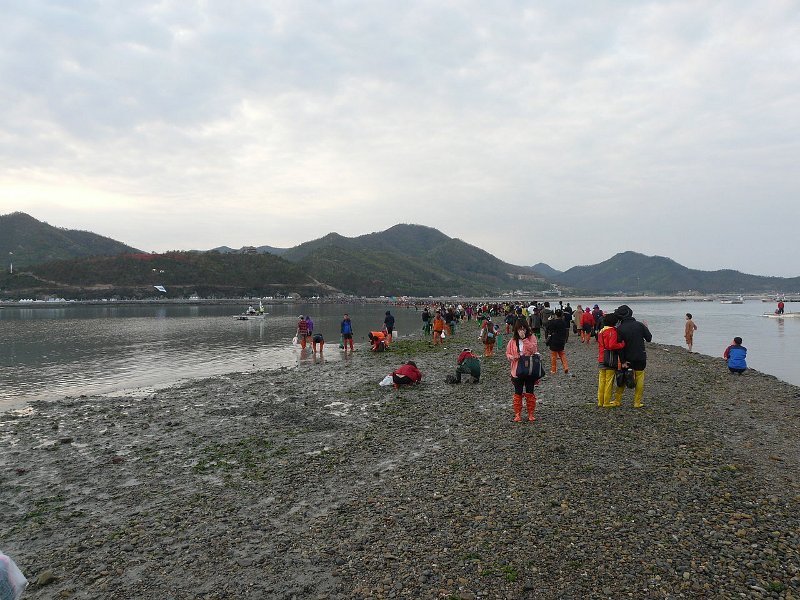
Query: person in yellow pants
<point x="608" y="347"/>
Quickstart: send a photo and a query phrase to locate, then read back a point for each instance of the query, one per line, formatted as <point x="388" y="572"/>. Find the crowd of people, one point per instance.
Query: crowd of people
<point x="620" y="338"/>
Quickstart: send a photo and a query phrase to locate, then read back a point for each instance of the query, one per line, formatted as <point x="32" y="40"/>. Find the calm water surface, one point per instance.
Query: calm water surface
<point x="50" y="353"/>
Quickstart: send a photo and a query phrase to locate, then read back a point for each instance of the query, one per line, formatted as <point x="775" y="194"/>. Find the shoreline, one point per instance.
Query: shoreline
<point x="352" y="300"/>
<point x="313" y="481"/>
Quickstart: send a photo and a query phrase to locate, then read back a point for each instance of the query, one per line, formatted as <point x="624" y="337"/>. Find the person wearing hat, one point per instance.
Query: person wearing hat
<point x="597" y="315"/>
<point x="468" y="364"/>
<point x="634" y="355"/>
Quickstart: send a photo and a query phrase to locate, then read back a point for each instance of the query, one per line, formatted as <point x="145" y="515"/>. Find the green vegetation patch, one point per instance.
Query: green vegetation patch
<point x="248" y="457"/>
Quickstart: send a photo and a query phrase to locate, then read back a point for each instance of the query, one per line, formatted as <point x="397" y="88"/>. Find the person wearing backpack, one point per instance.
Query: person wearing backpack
<point x="523" y="343"/>
<point x="488" y="336"/>
<point x="347" y="333"/>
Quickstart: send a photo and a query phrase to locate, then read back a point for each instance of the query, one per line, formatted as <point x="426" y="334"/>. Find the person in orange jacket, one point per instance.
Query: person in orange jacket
<point x="607" y="339"/>
<point x="378" y="341"/>
<point x="438" y="328"/>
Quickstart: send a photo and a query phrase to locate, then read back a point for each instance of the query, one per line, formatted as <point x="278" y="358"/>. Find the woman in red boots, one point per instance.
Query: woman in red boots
<point x="522" y="343"/>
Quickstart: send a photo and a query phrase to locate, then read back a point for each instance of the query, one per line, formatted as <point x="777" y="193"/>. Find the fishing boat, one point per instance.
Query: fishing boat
<point x="252" y="313"/>
<point x="738" y="300"/>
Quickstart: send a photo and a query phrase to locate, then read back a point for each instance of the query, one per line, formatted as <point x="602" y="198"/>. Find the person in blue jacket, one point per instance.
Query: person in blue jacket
<point x="736" y="355"/>
<point x="347" y="333"/>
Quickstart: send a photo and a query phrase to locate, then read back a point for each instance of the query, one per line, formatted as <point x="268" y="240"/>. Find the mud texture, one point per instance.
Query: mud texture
<point x="315" y="482"/>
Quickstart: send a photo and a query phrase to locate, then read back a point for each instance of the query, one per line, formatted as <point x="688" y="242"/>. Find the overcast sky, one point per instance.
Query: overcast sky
<point x="560" y="131"/>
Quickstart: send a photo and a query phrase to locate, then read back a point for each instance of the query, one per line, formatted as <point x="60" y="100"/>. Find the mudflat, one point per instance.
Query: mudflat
<point x="315" y="482"/>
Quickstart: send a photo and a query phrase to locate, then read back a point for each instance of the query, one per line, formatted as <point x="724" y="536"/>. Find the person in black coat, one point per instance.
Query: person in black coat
<point x="556" y="339"/>
<point x="634" y="355"/>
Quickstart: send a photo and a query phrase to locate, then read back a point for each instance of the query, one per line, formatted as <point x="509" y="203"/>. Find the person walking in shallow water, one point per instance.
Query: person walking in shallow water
<point x="689" y="330"/>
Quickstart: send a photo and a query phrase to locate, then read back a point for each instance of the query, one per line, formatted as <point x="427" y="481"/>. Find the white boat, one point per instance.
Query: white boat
<point x="738" y="300"/>
<point x="786" y="315"/>
<point x="252" y="313"/>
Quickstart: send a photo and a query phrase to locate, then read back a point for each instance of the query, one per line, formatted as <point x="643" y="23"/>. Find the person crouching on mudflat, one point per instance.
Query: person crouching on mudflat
<point x="407" y="374"/>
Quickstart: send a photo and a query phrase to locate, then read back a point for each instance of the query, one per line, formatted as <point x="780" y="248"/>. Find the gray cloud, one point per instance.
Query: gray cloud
<point x="665" y="127"/>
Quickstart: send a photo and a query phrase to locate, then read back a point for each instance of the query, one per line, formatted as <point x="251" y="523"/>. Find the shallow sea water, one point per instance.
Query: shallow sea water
<point x="49" y="353"/>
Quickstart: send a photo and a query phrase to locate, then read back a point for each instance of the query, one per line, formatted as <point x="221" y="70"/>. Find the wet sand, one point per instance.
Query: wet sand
<point x="316" y="483"/>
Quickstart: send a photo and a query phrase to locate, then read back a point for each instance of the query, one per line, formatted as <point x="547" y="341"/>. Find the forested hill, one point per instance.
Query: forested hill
<point x="410" y="259"/>
<point x="181" y="273"/>
<point x="33" y="242"/>
<point x="633" y="273"/>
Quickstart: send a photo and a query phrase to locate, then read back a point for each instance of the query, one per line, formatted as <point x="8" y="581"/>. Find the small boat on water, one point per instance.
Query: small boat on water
<point x="252" y="313"/>
<point x="786" y="315"/>
<point x="739" y="300"/>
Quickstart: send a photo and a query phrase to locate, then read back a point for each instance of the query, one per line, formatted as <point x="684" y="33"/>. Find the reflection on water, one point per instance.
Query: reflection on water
<point x="49" y="353"/>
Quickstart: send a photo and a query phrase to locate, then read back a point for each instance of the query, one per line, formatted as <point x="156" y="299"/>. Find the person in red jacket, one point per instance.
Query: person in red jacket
<point x="607" y="340"/>
<point x="407" y="374"/>
<point x="587" y="323"/>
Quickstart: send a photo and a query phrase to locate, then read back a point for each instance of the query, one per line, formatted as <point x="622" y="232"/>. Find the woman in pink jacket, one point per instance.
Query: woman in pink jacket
<point x="522" y="343"/>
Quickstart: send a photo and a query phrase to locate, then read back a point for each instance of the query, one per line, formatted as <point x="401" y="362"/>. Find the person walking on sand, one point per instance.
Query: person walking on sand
<point x="438" y="328"/>
<point x="347" y="333"/>
<point x="488" y="336"/>
<point x="556" y="339"/>
<point x="587" y="323"/>
<point x="736" y="355"/>
<point x="608" y="347"/>
<point x="689" y="330"/>
<point x="634" y="355"/>
<point x="523" y="343"/>
<point x="576" y="320"/>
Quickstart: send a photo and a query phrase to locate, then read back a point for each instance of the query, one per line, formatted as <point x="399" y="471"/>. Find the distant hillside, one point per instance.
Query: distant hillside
<point x="411" y="260"/>
<point x="34" y="242"/>
<point x="546" y="270"/>
<point x="182" y="273"/>
<point x="631" y="273"/>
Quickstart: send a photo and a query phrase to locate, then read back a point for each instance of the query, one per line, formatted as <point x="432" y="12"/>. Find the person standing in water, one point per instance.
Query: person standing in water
<point x="688" y="332"/>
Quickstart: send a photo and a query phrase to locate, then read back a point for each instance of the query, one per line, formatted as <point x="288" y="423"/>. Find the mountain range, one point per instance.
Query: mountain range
<point x="402" y="260"/>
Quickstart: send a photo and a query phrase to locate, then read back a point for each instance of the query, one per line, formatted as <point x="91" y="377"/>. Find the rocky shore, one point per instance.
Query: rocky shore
<point x="316" y="483"/>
